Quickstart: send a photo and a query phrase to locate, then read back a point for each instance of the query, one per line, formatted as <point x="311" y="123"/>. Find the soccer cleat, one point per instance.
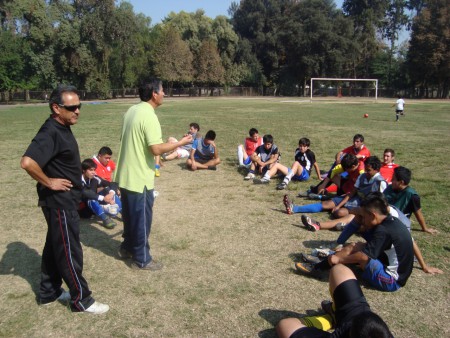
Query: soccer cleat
<point x="310" y="258"/>
<point x="97" y="308"/>
<point x="282" y="186"/>
<point x="303" y="194"/>
<point x="261" y="181"/>
<point x="310" y="224"/>
<point x="249" y="176"/>
<point x="108" y="223"/>
<point x="157" y="173"/>
<point x="288" y="205"/>
<point x="306" y="268"/>
<point x="212" y="167"/>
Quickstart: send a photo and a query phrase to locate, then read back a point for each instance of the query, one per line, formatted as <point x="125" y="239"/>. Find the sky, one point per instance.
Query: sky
<point x="158" y="10"/>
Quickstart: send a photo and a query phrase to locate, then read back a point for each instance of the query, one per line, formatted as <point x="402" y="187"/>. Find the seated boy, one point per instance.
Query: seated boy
<point x="105" y="166"/>
<point x="245" y="151"/>
<point x="264" y="157"/>
<point x="304" y="160"/>
<point x="388" y="256"/>
<point x="180" y="152"/>
<point x="99" y="196"/>
<point x="349" y="309"/>
<point x="405" y="198"/>
<point x="388" y="166"/>
<point x="204" y="153"/>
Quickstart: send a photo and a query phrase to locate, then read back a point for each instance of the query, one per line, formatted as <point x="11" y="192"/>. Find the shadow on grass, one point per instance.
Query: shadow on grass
<point x="23" y="261"/>
<point x="319" y="244"/>
<point x="102" y="240"/>
<point x="274" y="316"/>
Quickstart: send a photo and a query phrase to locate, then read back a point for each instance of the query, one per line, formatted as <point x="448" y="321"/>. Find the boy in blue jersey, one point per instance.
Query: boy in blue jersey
<point x="204" y="153"/>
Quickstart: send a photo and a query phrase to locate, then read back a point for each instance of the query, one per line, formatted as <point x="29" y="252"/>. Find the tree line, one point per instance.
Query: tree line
<point x="276" y="45"/>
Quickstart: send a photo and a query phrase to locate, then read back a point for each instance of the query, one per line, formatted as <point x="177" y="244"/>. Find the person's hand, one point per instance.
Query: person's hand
<point x="60" y="184"/>
<point x="212" y="144"/>
<point x="430" y="231"/>
<point x="194" y="165"/>
<point x="109" y="199"/>
<point x="336" y="208"/>
<point x="432" y="271"/>
<point x="333" y="260"/>
<point x="186" y="139"/>
<point x="261" y="167"/>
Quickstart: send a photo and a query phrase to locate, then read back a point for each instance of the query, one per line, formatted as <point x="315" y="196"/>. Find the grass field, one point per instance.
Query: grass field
<point x="227" y="245"/>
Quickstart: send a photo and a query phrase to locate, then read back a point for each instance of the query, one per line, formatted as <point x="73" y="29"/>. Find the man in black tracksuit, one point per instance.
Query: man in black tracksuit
<point x="53" y="160"/>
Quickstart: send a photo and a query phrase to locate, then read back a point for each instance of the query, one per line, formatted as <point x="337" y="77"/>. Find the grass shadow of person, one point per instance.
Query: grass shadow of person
<point x="93" y="236"/>
<point x="274" y="316"/>
<point x="23" y="261"/>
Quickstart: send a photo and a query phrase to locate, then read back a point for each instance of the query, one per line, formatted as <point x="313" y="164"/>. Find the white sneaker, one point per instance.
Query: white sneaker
<point x="261" y="181"/>
<point x="97" y="308"/>
<point x="250" y="176"/>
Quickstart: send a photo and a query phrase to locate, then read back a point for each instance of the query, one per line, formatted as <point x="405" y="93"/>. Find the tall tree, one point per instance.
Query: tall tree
<point x="208" y="65"/>
<point x="429" y="53"/>
<point x="177" y="67"/>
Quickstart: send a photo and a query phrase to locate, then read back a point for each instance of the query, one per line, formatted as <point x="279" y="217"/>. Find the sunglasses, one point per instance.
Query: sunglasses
<point x="70" y="108"/>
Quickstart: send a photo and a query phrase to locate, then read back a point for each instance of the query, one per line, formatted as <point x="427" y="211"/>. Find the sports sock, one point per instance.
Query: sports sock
<point x="288" y="177"/>
<point x="266" y="176"/>
<point x="240" y="155"/>
<point x="323" y="322"/>
<point x="309" y="208"/>
<point x="157" y="166"/>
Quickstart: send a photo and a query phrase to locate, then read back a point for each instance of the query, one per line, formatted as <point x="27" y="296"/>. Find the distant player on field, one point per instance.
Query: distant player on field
<point x="399" y="106"/>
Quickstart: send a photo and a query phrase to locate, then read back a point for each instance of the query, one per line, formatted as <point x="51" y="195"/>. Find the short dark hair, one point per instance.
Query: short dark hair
<point x="105" y="151"/>
<point x="147" y="89"/>
<point x="389" y="150"/>
<point x="375" y="201"/>
<point x="304" y="141"/>
<point x="195" y="125"/>
<point x="348" y="161"/>
<point x="253" y="131"/>
<point x="374" y="162"/>
<point x="88" y="164"/>
<point x="402" y="174"/>
<point x="369" y="325"/>
<point x="210" y="135"/>
<point x="57" y="94"/>
<point x="268" y="138"/>
<point x="358" y="137"/>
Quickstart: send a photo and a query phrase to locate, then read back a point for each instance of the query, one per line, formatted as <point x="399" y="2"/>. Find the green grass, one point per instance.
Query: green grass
<point x="227" y="245"/>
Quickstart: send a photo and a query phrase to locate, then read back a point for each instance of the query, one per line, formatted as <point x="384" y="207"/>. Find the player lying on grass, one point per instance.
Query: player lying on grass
<point x="349" y="314"/>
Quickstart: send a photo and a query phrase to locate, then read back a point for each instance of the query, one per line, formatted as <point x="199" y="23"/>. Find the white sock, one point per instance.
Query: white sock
<point x="266" y="176"/>
<point x="288" y="177"/>
<point x="240" y="155"/>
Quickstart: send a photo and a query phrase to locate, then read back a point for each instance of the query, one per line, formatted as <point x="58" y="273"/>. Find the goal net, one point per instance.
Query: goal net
<point x="347" y="89"/>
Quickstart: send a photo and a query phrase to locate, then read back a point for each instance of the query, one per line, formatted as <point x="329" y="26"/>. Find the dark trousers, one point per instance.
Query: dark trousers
<point x="62" y="259"/>
<point x="137" y="213"/>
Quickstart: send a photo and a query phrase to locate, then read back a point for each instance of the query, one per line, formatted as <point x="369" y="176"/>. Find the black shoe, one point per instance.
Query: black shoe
<point x="152" y="266"/>
<point x="212" y="167"/>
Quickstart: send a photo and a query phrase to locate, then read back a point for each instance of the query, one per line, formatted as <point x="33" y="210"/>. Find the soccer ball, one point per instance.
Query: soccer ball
<point x="366" y="115"/>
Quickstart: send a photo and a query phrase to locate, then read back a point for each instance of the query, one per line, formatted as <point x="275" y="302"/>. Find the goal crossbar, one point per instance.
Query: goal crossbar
<point x="342" y="80"/>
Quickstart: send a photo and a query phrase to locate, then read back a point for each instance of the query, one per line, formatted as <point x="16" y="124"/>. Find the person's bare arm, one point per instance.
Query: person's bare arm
<point x="159" y="149"/>
<point x="423" y="224"/>
<point x="35" y="171"/>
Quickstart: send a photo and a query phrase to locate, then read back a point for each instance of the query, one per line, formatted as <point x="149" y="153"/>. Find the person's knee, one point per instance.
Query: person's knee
<point x="287" y="326"/>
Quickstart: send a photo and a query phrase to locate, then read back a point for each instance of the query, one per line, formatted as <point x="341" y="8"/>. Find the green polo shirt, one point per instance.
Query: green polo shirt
<point x="136" y="164"/>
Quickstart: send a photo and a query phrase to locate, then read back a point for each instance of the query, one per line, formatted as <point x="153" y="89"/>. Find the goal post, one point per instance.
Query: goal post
<point x="321" y="87"/>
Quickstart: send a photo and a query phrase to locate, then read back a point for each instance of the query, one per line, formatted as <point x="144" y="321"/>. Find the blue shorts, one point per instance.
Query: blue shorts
<point x="377" y="277"/>
<point x="304" y="176"/>
<point x="247" y="161"/>
<point x="352" y="203"/>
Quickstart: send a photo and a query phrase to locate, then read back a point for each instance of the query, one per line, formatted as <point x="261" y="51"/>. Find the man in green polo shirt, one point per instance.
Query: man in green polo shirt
<point x="141" y="141"/>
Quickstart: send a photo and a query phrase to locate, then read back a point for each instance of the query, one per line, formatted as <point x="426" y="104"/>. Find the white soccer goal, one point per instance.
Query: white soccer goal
<point x="343" y="88"/>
